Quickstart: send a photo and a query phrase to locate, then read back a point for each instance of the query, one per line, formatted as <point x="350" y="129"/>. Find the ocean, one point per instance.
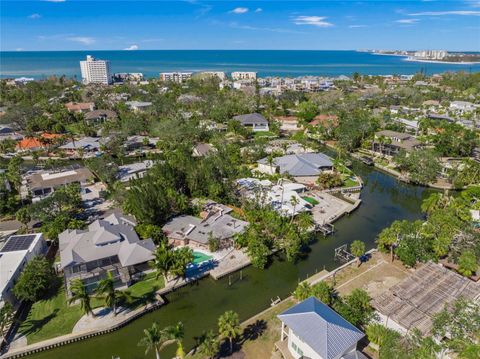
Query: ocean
<point x="267" y="63"/>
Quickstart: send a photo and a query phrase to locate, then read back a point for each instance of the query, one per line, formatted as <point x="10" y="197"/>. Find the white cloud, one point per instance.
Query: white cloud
<point x="239" y="10"/>
<point x="35" y="16"/>
<point x="54" y="0"/>
<point x="318" y="21"/>
<point x="443" y="13"/>
<point x="258" y="9"/>
<point x="357" y="26"/>
<point x="85" y="40"/>
<point x="235" y="25"/>
<point x="19" y="49"/>
<point x="407" y="21"/>
<point x="131" y="48"/>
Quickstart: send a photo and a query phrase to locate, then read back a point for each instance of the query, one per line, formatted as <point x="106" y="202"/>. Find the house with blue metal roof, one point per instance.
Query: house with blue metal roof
<point x="311" y="329"/>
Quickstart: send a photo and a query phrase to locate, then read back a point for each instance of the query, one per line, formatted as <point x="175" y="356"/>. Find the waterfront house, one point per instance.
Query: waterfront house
<point x="311" y="329"/>
<point x="303" y="165"/>
<point x="107" y="245"/>
<point x="41" y="184"/>
<point x="390" y="143"/>
<point x="279" y="196"/>
<point x="15" y="252"/>
<point x="255" y="121"/>
<point x="81" y="107"/>
<point x="214" y="222"/>
<point x="289" y="123"/>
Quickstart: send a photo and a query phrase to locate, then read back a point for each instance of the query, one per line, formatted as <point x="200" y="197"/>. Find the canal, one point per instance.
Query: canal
<point x="198" y="306"/>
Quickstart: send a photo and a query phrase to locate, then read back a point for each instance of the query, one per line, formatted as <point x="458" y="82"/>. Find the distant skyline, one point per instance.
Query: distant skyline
<point x="283" y="25"/>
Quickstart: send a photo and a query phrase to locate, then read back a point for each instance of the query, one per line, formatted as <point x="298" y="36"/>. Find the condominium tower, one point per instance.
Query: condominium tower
<point x="96" y="71"/>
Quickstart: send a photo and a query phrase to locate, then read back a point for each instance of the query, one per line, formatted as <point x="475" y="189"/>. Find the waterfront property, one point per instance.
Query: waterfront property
<point x="15" y="252"/>
<point x="284" y="197"/>
<point x="311" y="329"/>
<point x="254" y="121"/>
<point x="214" y="223"/>
<point x="177" y="77"/>
<point x="413" y="302"/>
<point x="41" y="184"/>
<point x="304" y="165"/>
<point x="391" y="142"/>
<point x="107" y="245"/>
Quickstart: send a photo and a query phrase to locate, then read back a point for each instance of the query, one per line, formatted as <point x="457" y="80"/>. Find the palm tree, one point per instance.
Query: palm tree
<point x="431" y="203"/>
<point x="390" y="236"/>
<point x="358" y="249"/>
<point x="156" y="339"/>
<point x="80" y="293"/>
<point x="163" y="261"/>
<point x="106" y="290"/>
<point x="177" y="332"/>
<point x="294" y="202"/>
<point x="210" y="345"/>
<point x="304" y="221"/>
<point x="229" y="327"/>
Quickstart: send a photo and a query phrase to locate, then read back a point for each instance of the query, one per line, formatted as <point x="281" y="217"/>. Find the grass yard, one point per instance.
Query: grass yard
<point x="311" y="200"/>
<point x="264" y="134"/>
<point x="50" y="318"/>
<point x="349" y="183"/>
<point x="146" y="286"/>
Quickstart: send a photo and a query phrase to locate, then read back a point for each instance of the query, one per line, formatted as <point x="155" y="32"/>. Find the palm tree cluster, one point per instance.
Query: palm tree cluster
<point x="156" y="339"/>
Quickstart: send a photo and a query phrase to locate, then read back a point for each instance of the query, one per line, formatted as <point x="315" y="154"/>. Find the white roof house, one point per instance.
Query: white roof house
<point x="463" y="106"/>
<point x="311" y="329"/>
<point x="255" y="121"/>
<point x="15" y="252"/>
<point x="279" y="196"/>
<point x="105" y="238"/>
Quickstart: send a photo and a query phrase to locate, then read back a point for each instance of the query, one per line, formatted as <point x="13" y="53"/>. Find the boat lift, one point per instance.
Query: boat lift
<point x="343" y="255"/>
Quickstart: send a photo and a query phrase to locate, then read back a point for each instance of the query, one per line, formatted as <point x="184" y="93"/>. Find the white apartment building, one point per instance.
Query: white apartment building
<point x="431" y="54"/>
<point x="242" y="75"/>
<point x="212" y="74"/>
<point x="178" y="77"/>
<point x="96" y="71"/>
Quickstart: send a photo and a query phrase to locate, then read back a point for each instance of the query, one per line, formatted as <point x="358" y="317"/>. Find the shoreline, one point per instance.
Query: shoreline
<point x="409" y="59"/>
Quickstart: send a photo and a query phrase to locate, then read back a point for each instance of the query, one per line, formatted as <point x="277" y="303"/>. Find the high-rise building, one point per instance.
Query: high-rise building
<point x="96" y="71"/>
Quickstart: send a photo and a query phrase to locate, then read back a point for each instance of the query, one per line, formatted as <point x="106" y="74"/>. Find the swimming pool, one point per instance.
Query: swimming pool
<point x="199" y="257"/>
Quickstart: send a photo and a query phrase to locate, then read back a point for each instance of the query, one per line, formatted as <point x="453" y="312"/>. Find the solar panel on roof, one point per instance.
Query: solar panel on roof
<point x="18" y="243"/>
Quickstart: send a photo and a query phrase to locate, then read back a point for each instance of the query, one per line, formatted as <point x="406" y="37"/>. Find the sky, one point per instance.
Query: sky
<point x="196" y="24"/>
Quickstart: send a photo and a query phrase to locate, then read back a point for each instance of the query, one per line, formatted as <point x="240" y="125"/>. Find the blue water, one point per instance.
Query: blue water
<point x="266" y="63"/>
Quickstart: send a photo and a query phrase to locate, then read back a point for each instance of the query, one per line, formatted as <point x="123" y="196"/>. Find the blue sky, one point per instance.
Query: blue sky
<point x="197" y="24"/>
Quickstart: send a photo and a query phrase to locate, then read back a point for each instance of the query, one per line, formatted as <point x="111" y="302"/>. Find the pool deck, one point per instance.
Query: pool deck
<point x="235" y="260"/>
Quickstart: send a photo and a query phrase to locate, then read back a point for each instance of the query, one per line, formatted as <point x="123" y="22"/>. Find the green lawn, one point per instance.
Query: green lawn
<point x="350" y="183"/>
<point x="264" y="134"/>
<point x="146" y="286"/>
<point x="311" y="200"/>
<point x="50" y="317"/>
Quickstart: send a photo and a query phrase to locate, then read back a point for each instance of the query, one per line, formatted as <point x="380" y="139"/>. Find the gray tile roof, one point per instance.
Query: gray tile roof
<point x="221" y="225"/>
<point x="104" y="238"/>
<point x="324" y="330"/>
<point x="304" y="164"/>
<point x="86" y="143"/>
<point x="251" y="118"/>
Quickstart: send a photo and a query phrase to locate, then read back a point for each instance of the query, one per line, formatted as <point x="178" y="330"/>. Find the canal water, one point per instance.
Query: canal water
<point x="198" y="306"/>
